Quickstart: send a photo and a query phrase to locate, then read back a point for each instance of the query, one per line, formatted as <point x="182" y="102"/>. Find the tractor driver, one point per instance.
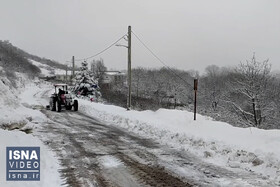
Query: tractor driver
<point x="60" y="92"/>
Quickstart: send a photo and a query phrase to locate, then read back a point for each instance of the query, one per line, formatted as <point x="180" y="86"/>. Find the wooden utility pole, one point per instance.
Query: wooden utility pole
<point x="195" y="96"/>
<point x="73" y="66"/>
<point x="73" y="69"/>
<point x="66" y="77"/>
<point x="129" y="69"/>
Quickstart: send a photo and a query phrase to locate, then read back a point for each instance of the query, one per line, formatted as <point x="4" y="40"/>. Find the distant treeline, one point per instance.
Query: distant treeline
<point x="246" y="96"/>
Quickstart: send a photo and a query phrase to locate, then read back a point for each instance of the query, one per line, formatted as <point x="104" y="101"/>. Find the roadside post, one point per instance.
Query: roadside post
<point x="195" y="96"/>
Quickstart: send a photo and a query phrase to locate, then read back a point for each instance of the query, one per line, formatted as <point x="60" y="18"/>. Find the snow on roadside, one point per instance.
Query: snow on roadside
<point x="249" y="149"/>
<point x="17" y="105"/>
<point x="49" y="166"/>
<point x="18" y="110"/>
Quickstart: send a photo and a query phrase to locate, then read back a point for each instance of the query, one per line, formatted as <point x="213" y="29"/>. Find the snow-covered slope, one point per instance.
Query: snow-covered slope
<point x="15" y="114"/>
<point x="11" y="109"/>
<point x="47" y="70"/>
<point x="249" y="149"/>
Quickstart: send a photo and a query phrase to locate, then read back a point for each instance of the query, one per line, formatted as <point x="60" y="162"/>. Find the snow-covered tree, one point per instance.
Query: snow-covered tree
<point x="249" y="87"/>
<point x="98" y="68"/>
<point x="85" y="83"/>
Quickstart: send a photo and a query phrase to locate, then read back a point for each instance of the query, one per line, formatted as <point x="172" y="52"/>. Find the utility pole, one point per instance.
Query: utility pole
<point x="195" y="96"/>
<point x="129" y="69"/>
<point x="73" y="68"/>
<point x="66" y="78"/>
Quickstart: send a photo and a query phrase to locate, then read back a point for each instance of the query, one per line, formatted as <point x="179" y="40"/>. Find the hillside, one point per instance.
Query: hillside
<point x="14" y="59"/>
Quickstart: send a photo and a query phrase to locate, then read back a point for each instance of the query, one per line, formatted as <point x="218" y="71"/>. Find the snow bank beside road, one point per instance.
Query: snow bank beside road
<point x="49" y="165"/>
<point x="8" y="103"/>
<point x="217" y="142"/>
<point x="16" y="105"/>
<point x="17" y="111"/>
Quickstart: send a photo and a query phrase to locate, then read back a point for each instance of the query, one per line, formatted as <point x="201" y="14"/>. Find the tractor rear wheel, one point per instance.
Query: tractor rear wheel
<point x="58" y="106"/>
<point x="52" y="104"/>
<point x="75" y="105"/>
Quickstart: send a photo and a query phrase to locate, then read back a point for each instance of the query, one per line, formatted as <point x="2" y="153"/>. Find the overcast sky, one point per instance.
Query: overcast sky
<point x="187" y="34"/>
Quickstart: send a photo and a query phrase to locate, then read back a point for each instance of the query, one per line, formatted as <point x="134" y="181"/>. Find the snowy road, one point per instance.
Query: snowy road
<point x="93" y="153"/>
<point x="96" y="154"/>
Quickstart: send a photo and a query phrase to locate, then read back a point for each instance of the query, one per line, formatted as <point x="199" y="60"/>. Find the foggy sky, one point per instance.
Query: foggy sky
<point x="187" y="34"/>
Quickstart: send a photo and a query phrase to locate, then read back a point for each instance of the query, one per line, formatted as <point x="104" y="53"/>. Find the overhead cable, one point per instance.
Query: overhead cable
<point x="92" y="56"/>
<point x="161" y="61"/>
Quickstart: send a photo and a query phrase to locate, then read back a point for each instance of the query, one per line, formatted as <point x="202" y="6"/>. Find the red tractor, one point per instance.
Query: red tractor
<point x="61" y="98"/>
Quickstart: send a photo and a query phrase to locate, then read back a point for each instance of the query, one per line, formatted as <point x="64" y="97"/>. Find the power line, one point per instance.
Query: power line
<point x="161" y="60"/>
<point x="82" y="59"/>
